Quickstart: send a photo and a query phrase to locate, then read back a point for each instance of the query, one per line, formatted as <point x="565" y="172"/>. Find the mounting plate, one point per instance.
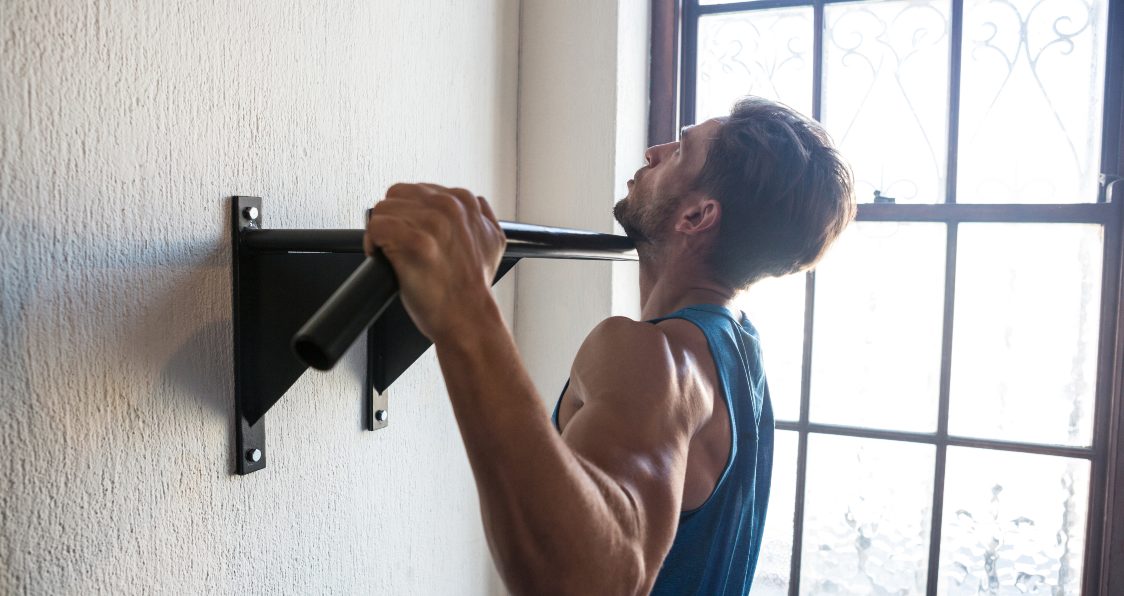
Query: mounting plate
<point x="275" y="292"/>
<point x="393" y="345"/>
<point x="249" y="450"/>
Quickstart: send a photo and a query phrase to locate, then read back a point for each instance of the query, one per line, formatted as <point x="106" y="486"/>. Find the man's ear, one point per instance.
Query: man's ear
<point x="700" y="217"/>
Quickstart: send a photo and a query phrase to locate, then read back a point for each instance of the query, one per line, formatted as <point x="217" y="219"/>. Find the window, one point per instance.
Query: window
<point x="946" y="381"/>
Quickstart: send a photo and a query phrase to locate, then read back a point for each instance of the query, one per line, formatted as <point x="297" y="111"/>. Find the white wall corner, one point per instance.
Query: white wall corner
<point x="583" y="96"/>
<point x="634" y="34"/>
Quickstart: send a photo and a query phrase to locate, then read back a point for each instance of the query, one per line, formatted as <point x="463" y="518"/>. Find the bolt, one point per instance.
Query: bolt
<point x="250" y="213"/>
<point x="382" y="415"/>
<point x="253" y="455"/>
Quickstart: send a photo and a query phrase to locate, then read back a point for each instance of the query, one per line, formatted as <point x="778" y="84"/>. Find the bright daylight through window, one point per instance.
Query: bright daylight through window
<point x="937" y="379"/>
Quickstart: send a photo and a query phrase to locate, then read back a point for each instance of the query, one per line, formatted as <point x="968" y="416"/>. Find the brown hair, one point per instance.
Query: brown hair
<point x="785" y="192"/>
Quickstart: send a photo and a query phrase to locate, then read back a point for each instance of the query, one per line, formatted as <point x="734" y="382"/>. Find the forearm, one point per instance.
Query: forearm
<point x="553" y="520"/>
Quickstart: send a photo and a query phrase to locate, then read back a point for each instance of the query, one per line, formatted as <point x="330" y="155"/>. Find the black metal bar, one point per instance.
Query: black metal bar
<point x="663" y="72"/>
<point x="363" y="297"/>
<point x="1105" y="575"/>
<point x="334" y="241"/>
<point x="753" y="5"/>
<point x="798" y="514"/>
<point x="943" y="399"/>
<point x="1104" y="570"/>
<point x="1102" y="408"/>
<point x="1022" y="447"/>
<point x="542" y="242"/>
<point x="802" y="438"/>
<point x="689" y="62"/>
<point x="933" y="572"/>
<point x="1096" y="213"/>
<point x="933" y="439"/>
<point x="817" y="60"/>
<point x="523" y="241"/>
<point x="1112" y="142"/>
<point x="750" y="6"/>
<point x="809" y="320"/>
<point x="954" y="62"/>
<point x="353" y="307"/>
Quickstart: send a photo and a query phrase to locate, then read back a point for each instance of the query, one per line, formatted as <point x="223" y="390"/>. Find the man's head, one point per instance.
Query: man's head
<point x="763" y="188"/>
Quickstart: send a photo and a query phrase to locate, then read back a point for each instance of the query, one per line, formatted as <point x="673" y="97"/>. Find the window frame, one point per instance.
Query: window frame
<point x="674" y="28"/>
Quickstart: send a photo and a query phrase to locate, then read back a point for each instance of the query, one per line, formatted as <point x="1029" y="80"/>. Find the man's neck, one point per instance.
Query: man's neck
<point x="674" y="284"/>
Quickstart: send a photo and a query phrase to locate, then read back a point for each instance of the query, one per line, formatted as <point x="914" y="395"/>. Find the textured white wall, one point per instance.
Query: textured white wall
<point x="583" y="97"/>
<point x="123" y="127"/>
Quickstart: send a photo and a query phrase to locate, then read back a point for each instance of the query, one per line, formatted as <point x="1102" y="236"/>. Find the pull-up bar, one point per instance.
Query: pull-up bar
<point x="302" y="297"/>
<point x="359" y="301"/>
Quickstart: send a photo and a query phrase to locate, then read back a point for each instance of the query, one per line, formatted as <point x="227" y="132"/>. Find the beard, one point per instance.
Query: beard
<point x="644" y="218"/>
<point x="630" y="221"/>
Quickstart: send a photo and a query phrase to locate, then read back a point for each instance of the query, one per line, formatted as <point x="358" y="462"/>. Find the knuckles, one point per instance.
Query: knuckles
<point x="448" y="205"/>
<point x="401" y="189"/>
<point x="434" y="212"/>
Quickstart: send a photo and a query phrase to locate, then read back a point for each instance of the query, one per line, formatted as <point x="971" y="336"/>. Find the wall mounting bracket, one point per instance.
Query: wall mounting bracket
<point x="284" y="281"/>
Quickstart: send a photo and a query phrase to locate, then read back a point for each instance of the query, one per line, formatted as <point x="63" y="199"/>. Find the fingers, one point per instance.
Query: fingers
<point x="425" y="206"/>
<point x="486" y="210"/>
<point x="467" y="200"/>
<point x="413" y="215"/>
<point x="391" y="234"/>
<point x="453" y="202"/>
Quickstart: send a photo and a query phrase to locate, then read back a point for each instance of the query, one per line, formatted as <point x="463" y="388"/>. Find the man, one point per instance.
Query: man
<point x="656" y="476"/>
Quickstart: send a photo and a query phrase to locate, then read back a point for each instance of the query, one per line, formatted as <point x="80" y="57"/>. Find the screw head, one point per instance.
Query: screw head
<point x="382" y="415"/>
<point x="250" y="213"/>
<point x="253" y="455"/>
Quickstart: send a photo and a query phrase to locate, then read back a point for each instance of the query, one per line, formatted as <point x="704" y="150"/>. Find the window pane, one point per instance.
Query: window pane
<point x="1024" y="350"/>
<point x="775" y="306"/>
<point x="1013" y="523"/>
<point x="762" y="52"/>
<point x="867" y="512"/>
<point x="876" y="346"/>
<point x="775" y="560"/>
<point x="1032" y="87"/>
<point x="885" y="95"/>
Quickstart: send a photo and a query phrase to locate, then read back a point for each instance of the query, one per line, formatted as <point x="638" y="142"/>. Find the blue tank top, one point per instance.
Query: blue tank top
<point x="716" y="545"/>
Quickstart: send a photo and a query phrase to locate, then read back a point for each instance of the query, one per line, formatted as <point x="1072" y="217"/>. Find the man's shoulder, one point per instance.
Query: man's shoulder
<point x="664" y="333"/>
<point x="622" y="358"/>
<point x="617" y="330"/>
<point x="620" y="346"/>
<point x="660" y="344"/>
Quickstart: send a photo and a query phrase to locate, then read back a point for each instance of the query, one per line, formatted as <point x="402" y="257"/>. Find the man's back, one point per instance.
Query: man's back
<point x="727" y="483"/>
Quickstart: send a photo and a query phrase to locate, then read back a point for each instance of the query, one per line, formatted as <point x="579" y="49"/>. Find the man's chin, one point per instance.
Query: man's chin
<point x="633" y="232"/>
<point x="623" y="215"/>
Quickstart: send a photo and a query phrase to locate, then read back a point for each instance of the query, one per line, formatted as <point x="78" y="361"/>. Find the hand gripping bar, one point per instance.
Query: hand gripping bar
<point x="363" y="296"/>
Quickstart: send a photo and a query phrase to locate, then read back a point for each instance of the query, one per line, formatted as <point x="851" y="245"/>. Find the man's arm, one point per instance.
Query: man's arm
<point x="594" y="511"/>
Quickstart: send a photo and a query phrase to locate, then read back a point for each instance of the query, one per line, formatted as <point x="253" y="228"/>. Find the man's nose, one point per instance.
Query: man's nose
<point x="655" y="153"/>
